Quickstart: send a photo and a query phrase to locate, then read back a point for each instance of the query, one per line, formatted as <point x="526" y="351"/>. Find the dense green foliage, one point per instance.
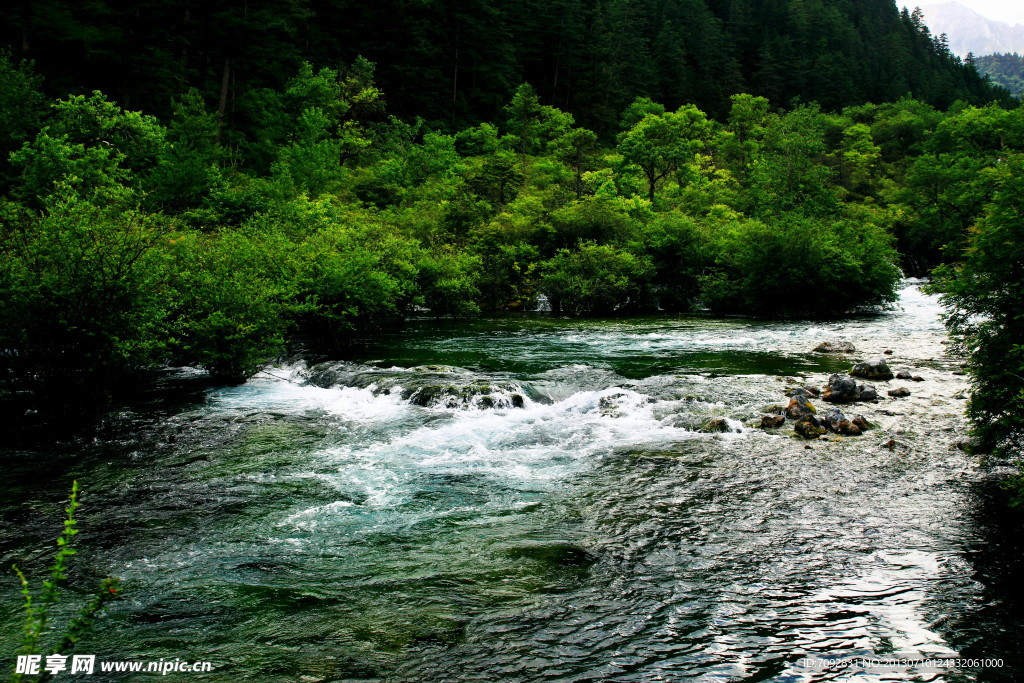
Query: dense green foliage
<point x="985" y="296"/>
<point x="456" y="62"/>
<point x="1006" y="70"/>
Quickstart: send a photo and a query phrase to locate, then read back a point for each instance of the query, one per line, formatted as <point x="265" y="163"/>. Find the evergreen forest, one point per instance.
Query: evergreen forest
<point x="1005" y="70"/>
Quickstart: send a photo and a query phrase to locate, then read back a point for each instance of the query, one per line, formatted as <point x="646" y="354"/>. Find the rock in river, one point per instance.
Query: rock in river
<point x="808" y="427"/>
<point x="836" y="421"/>
<point x="716" y="424"/>
<point x="798" y="407"/>
<point x="835" y="347"/>
<point x="868" y="392"/>
<point x="875" y="369"/>
<point x="841" y="389"/>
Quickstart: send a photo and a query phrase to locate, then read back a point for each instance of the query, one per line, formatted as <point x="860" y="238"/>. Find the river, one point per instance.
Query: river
<point x="532" y="498"/>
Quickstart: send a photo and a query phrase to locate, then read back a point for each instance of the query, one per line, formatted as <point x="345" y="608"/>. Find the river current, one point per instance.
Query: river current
<point x="532" y="499"/>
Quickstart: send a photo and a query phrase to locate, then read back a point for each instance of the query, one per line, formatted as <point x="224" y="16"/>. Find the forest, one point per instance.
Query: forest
<point x="207" y="186"/>
<point x="1006" y="70"/>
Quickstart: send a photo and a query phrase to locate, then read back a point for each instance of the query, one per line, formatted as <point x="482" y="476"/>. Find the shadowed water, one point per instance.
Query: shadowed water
<point x="532" y="499"/>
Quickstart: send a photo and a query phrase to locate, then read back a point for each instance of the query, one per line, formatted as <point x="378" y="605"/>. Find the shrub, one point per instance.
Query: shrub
<point x="797" y="265"/>
<point x="234" y="299"/>
<point x="356" y="279"/>
<point x="593" y="279"/>
<point x="82" y="297"/>
<point x="985" y="298"/>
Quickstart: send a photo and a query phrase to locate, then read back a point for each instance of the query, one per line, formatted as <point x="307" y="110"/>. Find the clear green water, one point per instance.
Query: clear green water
<point x="403" y="516"/>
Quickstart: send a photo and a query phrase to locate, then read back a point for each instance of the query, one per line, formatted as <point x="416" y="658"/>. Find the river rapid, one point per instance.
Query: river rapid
<point x="532" y="498"/>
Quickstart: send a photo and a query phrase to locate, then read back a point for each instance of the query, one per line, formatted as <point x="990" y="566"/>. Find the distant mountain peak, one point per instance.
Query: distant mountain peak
<point x="969" y="31"/>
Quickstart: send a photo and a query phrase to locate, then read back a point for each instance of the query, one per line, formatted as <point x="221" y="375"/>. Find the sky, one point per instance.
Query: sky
<point x="1010" y="11"/>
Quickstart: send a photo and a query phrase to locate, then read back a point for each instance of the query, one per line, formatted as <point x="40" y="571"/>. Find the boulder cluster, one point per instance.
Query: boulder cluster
<point x="808" y="423"/>
<point x="840" y="389"/>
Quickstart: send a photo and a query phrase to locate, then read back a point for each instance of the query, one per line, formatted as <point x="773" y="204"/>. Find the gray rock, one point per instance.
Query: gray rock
<point x="868" y="392"/>
<point x="903" y="374"/>
<point x="716" y="424"/>
<point x="875" y="369"/>
<point x="833" y="419"/>
<point x="899" y="392"/>
<point x="835" y="347"/>
<point x="798" y="407"/>
<point x="841" y="389"/>
<point x="808" y="427"/>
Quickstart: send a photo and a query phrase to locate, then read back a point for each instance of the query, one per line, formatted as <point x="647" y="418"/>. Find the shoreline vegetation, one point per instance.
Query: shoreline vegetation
<point x="131" y="243"/>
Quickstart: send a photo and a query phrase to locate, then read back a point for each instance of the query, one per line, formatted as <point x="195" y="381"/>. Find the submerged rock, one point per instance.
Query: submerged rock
<point x="610" y="406"/>
<point x="875" y="369"/>
<point x="835" y="347"/>
<point x="555" y="554"/>
<point x="717" y="424"/>
<point x="469" y="395"/>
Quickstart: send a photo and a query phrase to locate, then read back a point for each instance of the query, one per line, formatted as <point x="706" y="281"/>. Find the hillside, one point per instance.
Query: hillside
<point x="1006" y="70"/>
<point x="455" y="62"/>
<point x="970" y="32"/>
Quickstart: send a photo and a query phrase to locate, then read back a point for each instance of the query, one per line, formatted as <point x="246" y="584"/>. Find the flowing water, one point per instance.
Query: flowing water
<point x="533" y="498"/>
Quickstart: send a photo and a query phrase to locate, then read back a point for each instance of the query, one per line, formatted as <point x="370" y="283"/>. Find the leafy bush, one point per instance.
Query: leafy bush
<point x="234" y="298"/>
<point x="677" y="247"/>
<point x="356" y="276"/>
<point x="83" y="295"/>
<point x="448" y="282"/>
<point x="593" y="279"/>
<point x="91" y="146"/>
<point x="985" y="298"/>
<point x="797" y="265"/>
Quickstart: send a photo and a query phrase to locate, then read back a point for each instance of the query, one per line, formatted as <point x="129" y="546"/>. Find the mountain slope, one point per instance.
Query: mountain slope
<point x="969" y="31"/>
<point x="456" y="62"/>
<point x="1006" y="70"/>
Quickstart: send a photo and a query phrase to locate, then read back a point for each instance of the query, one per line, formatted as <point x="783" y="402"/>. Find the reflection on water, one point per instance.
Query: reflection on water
<point x="533" y="499"/>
